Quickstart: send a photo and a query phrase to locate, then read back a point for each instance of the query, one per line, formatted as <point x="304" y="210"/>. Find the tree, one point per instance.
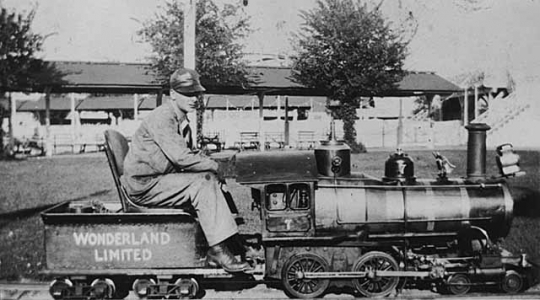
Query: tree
<point x="348" y="50"/>
<point x="18" y="65"/>
<point x="218" y="55"/>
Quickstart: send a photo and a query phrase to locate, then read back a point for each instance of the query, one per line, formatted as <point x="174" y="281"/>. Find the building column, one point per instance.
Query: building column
<point x="287" y="129"/>
<point x="475" y="101"/>
<point x="73" y="121"/>
<point x="400" y="125"/>
<point x="135" y="107"/>
<point x="261" y="119"/>
<point x="466" y="107"/>
<point x="48" y="138"/>
<point x="11" y="121"/>
<point x="190" y="13"/>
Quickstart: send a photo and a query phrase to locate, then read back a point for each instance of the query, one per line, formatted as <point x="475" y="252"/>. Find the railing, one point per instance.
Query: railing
<point x="274" y="140"/>
<point x="248" y="140"/>
<point x="501" y="111"/>
<point x="306" y="139"/>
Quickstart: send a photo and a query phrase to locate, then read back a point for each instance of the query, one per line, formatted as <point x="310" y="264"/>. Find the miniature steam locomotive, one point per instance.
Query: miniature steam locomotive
<point x="323" y="227"/>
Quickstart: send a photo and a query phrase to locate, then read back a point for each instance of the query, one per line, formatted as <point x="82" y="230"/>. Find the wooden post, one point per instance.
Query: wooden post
<point x="135" y="107"/>
<point x="286" y="121"/>
<point x="11" y="121"/>
<point x="400" y="124"/>
<point x="190" y="14"/>
<point x="383" y="131"/>
<point x="189" y="33"/>
<point x="475" y="101"/>
<point x="73" y="120"/>
<point x="159" y="98"/>
<point x="48" y="137"/>
<point x="261" y="119"/>
<point x="466" y="107"/>
<point x="278" y="107"/>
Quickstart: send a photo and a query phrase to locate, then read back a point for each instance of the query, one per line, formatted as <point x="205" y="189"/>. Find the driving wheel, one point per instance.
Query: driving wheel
<point x="292" y="276"/>
<point x="459" y="284"/>
<point x="372" y="285"/>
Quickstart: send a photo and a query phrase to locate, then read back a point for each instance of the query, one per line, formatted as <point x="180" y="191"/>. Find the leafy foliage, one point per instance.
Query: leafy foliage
<point x="19" y="68"/>
<point x="18" y="46"/>
<point x="348" y="51"/>
<point x="218" y="55"/>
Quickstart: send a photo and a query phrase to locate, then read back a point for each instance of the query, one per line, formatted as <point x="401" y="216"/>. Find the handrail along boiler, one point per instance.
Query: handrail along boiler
<point x="324" y="227"/>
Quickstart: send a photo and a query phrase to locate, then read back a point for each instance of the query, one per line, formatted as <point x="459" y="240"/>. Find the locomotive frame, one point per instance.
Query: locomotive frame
<point x="323" y="228"/>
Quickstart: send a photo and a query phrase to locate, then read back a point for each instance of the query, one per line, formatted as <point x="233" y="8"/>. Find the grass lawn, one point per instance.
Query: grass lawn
<point x="30" y="186"/>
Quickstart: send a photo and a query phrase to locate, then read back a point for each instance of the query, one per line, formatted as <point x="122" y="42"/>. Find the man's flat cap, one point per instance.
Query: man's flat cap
<point x="186" y="81"/>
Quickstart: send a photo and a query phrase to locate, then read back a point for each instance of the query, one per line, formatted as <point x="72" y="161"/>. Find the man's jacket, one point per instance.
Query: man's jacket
<point x="158" y="148"/>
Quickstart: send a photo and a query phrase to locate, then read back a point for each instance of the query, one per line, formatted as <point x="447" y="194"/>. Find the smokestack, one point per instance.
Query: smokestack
<point x="476" y="152"/>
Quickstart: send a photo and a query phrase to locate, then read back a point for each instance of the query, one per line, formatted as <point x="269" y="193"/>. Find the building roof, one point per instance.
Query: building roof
<point x="125" y="102"/>
<point x="109" y="102"/>
<point x="122" y="102"/>
<point x="427" y="82"/>
<point x="57" y="104"/>
<point x="128" y="78"/>
<point x="124" y="78"/>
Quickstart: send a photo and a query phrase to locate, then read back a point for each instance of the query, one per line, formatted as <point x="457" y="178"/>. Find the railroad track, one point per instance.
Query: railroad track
<point x="39" y="291"/>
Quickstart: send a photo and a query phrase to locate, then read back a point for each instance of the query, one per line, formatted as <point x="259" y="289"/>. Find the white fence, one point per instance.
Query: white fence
<point x="373" y="133"/>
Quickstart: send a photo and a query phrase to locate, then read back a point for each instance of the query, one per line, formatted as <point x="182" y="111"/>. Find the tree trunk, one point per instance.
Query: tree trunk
<point x="200" y="119"/>
<point x="349" y="117"/>
<point x="1" y="131"/>
<point x="347" y="113"/>
<point x="2" y="112"/>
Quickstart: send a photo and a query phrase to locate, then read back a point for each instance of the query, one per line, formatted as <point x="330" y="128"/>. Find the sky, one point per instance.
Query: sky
<point x="453" y="37"/>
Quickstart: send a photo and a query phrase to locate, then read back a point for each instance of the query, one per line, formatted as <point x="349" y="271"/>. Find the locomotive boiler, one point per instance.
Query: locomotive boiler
<point x="323" y="228"/>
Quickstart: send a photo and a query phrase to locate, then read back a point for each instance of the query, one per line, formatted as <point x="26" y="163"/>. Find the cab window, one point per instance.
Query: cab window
<point x="276" y="196"/>
<point x="299" y="196"/>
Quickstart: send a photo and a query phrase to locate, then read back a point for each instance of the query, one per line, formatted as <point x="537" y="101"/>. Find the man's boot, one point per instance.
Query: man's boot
<point x="220" y="256"/>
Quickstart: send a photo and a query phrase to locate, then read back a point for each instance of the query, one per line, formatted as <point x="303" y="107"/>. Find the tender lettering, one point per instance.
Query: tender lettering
<point x="93" y="239"/>
<point x="124" y="254"/>
<point x="121" y="246"/>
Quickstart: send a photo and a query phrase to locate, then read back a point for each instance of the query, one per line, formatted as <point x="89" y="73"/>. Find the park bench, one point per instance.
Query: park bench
<point x="97" y="140"/>
<point x="66" y="140"/>
<point x="274" y="140"/>
<point x="248" y="140"/>
<point x="306" y="140"/>
<point x="212" y="142"/>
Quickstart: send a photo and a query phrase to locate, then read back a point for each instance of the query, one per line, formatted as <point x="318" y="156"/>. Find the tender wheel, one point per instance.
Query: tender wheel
<point x="459" y="284"/>
<point x="292" y="276"/>
<point x="142" y="287"/>
<point x="372" y="285"/>
<point x="187" y="288"/>
<point x="60" y="288"/>
<point x="103" y="288"/>
<point x="512" y="282"/>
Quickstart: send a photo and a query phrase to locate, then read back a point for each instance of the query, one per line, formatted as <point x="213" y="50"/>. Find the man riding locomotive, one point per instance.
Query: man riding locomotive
<point x="162" y="169"/>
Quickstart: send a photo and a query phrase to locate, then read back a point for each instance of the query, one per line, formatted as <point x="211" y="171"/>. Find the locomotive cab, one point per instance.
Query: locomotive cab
<point x="284" y="192"/>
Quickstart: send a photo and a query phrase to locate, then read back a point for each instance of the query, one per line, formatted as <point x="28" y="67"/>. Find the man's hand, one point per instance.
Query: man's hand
<point x="220" y="172"/>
